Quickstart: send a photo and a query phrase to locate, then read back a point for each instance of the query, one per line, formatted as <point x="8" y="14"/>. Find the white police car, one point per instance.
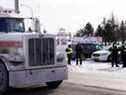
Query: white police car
<point x="101" y="55"/>
<point x="104" y="54"/>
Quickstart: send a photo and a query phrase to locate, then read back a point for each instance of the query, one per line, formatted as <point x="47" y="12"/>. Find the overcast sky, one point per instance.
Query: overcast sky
<point x="70" y="14"/>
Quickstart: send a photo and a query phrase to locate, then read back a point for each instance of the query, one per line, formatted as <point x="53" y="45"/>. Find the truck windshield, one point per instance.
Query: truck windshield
<point x="11" y="25"/>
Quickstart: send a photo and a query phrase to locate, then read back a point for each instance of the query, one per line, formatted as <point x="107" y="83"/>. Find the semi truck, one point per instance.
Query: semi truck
<point x="28" y="59"/>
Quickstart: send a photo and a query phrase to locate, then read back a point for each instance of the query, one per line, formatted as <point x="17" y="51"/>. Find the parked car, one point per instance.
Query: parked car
<point x="88" y="49"/>
<point x="103" y="55"/>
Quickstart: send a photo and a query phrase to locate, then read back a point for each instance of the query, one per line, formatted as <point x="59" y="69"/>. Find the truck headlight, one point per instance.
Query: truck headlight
<point x="60" y="57"/>
<point x="16" y="57"/>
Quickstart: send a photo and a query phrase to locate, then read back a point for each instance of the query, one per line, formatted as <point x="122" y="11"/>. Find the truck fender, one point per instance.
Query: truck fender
<point x="4" y="61"/>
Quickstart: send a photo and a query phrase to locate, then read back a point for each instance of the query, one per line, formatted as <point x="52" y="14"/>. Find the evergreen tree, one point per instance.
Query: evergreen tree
<point x="104" y="21"/>
<point x="99" y="31"/>
<point x="122" y="31"/>
<point x="85" y="31"/>
<point x="80" y="33"/>
<point x="110" y="30"/>
<point x="88" y="29"/>
<point x="108" y="35"/>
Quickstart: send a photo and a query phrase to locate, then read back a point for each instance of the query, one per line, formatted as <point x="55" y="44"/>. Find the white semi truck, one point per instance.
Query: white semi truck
<point x="26" y="58"/>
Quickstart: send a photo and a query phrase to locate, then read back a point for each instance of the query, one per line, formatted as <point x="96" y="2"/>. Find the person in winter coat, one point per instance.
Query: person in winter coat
<point x="78" y="54"/>
<point x="123" y="55"/>
<point x="69" y="52"/>
<point x="114" y="55"/>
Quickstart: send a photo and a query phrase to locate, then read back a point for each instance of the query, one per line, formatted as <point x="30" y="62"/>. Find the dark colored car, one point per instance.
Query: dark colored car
<point x="88" y="49"/>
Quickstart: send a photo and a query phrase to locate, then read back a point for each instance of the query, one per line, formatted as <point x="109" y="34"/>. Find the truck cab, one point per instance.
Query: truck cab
<point x="28" y="58"/>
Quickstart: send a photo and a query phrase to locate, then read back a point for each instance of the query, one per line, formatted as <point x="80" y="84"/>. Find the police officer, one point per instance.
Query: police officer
<point x="69" y="52"/>
<point x="78" y="54"/>
<point x="123" y="54"/>
<point x="114" y="55"/>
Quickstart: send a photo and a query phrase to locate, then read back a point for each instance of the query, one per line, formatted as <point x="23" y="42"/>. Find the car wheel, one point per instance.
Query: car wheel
<point x="3" y="78"/>
<point x="54" y="84"/>
<point x="96" y="60"/>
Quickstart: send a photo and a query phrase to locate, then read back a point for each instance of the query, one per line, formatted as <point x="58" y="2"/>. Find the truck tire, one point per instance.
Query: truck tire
<point x="3" y="78"/>
<point x="54" y="84"/>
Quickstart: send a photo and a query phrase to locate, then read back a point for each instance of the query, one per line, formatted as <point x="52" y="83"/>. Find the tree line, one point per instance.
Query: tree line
<point x="109" y="29"/>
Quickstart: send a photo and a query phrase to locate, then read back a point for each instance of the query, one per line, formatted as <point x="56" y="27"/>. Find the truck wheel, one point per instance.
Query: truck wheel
<point x="54" y="84"/>
<point x="3" y="78"/>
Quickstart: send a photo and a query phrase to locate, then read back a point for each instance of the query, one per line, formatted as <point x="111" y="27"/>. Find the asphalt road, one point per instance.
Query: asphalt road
<point x="66" y="89"/>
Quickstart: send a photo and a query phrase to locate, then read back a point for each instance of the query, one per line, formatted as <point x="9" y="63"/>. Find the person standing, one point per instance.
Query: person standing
<point x="78" y="54"/>
<point x="69" y="52"/>
<point x="123" y="55"/>
<point x="114" y="55"/>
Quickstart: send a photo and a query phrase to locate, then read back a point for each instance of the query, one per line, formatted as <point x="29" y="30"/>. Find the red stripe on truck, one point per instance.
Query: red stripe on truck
<point x="16" y="44"/>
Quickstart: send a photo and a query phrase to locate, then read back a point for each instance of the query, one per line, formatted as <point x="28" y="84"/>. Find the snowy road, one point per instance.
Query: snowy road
<point x="92" y="78"/>
<point x="91" y="66"/>
<point x="98" y="74"/>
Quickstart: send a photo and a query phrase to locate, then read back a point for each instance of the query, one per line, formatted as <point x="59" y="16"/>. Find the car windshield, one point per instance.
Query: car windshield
<point x="11" y="25"/>
<point x="89" y="46"/>
<point x="107" y="47"/>
<point x="93" y="46"/>
<point x="99" y="47"/>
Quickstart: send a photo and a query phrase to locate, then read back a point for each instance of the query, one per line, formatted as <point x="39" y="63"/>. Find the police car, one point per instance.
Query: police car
<point x="104" y="54"/>
<point x="101" y="55"/>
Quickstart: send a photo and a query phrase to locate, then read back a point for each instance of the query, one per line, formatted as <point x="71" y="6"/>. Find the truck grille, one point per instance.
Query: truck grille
<point x="41" y="51"/>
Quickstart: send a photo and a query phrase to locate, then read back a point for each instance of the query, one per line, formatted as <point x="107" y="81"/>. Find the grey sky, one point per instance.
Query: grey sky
<point x="70" y="14"/>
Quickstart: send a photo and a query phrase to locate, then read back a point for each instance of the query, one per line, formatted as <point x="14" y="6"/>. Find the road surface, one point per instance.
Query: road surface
<point x="66" y="89"/>
<point x="89" y="79"/>
<point x="69" y="87"/>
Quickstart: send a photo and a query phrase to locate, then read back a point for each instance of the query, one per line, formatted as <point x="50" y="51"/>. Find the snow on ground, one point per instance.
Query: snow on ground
<point x="89" y="66"/>
<point x="98" y="74"/>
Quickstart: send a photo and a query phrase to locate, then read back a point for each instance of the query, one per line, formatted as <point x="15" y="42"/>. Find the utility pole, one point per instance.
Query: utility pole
<point x="16" y="2"/>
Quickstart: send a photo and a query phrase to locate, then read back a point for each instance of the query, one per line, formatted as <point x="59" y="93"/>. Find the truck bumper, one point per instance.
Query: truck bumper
<point x="38" y="76"/>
